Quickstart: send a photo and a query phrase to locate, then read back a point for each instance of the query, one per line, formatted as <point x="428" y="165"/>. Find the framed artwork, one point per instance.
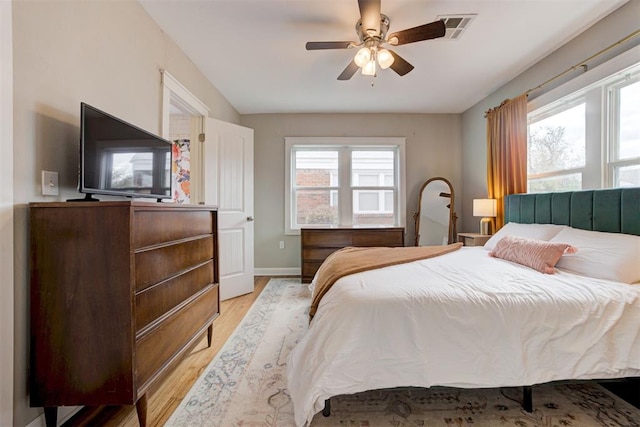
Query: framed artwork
<point x="181" y="171"/>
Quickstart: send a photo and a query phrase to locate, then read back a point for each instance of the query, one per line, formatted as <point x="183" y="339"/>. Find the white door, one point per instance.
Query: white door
<point x="227" y="172"/>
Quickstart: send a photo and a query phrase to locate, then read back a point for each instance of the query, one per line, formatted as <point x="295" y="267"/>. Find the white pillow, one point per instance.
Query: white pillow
<point x="609" y="256"/>
<point x="531" y="231"/>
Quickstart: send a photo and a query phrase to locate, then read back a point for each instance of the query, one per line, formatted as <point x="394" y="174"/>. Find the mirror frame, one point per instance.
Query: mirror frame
<point x="453" y="218"/>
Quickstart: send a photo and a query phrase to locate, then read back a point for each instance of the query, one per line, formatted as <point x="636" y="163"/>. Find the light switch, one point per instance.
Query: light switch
<point x="49" y="183"/>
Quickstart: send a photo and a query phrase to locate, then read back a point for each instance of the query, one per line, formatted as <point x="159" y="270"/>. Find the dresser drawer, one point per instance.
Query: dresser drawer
<point x="155" y="227"/>
<point x="310" y="268"/>
<point x="337" y="238"/>
<point x="317" y="254"/>
<point x="156" y="300"/>
<point x="378" y="238"/>
<point x="159" y="263"/>
<point x="165" y="342"/>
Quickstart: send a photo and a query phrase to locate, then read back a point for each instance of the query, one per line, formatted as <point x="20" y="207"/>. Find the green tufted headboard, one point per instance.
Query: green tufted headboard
<point x="615" y="210"/>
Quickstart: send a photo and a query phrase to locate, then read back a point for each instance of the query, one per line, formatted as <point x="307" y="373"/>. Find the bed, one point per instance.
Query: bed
<point x="467" y="319"/>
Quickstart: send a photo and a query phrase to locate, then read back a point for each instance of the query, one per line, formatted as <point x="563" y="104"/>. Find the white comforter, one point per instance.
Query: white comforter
<point x="464" y="320"/>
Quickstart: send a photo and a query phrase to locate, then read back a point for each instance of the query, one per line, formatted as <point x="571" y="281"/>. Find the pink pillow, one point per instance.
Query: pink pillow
<point x="537" y="254"/>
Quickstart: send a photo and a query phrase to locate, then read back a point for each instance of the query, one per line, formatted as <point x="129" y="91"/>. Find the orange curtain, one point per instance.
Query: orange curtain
<point x="507" y="152"/>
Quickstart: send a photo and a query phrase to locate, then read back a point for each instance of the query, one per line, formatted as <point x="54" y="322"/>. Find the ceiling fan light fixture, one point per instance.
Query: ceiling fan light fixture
<point x="369" y="68"/>
<point x="372" y="29"/>
<point x="363" y="57"/>
<point x="385" y="59"/>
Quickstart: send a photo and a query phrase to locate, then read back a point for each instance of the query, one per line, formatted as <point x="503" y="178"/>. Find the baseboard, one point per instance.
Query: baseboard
<point x="276" y="271"/>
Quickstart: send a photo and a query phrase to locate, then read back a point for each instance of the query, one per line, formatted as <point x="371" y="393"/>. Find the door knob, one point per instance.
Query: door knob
<point x="249" y="218"/>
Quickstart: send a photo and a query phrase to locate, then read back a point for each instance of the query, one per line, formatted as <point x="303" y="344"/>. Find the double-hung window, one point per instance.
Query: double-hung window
<point x="556" y="151"/>
<point x="589" y="137"/>
<point x="623" y="167"/>
<point x="335" y="182"/>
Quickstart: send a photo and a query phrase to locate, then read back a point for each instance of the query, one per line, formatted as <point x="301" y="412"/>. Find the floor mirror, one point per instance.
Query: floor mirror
<point x="435" y="219"/>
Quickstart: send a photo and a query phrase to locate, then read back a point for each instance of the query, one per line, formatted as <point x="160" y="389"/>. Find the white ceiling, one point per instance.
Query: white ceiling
<point x="253" y="51"/>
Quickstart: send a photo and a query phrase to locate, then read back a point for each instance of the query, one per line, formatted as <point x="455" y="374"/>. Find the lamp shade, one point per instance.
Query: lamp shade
<point x="484" y="207"/>
<point x="363" y="56"/>
<point x="369" y="68"/>
<point x="385" y="59"/>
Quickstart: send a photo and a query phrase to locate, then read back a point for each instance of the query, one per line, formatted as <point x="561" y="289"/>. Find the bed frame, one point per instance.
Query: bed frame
<point x="614" y="210"/>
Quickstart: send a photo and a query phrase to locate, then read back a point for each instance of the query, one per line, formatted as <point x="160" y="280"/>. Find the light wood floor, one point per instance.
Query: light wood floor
<point x="163" y="400"/>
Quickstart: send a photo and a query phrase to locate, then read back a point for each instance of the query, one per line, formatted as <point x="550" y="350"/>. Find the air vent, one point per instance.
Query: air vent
<point x="456" y="24"/>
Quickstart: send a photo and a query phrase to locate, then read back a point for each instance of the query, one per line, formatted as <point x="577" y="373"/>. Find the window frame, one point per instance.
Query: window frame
<point x="345" y="201"/>
<point x="614" y="163"/>
<point x="595" y="88"/>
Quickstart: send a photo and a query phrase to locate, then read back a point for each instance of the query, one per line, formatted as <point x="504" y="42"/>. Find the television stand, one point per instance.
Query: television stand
<point x="87" y="198"/>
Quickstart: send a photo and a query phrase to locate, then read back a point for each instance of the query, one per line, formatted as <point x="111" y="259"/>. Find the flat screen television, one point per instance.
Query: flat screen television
<point x="120" y="159"/>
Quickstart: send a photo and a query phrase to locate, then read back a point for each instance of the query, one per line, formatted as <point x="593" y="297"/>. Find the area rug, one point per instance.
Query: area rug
<point x="245" y="385"/>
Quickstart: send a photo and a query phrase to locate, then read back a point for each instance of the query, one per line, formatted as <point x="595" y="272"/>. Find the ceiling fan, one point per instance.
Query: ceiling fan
<point x="372" y="30"/>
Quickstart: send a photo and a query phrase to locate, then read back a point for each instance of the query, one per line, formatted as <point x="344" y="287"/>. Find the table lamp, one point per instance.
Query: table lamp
<point x="485" y="208"/>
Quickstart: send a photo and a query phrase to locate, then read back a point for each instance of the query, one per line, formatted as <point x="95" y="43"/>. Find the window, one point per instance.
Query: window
<point x="589" y="138"/>
<point x="316" y="186"/>
<point x="344" y="182"/>
<point x="556" y="148"/>
<point x="624" y="99"/>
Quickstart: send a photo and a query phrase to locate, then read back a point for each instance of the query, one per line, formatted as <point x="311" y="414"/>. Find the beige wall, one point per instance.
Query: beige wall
<point x="6" y="216"/>
<point x="604" y="33"/>
<point x="433" y="148"/>
<point x="108" y="54"/>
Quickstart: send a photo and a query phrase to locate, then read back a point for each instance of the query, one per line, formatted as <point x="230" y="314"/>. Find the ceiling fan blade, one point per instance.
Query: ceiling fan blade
<point x="349" y="71"/>
<point x="429" y="31"/>
<point x="329" y="45"/>
<point x="399" y="65"/>
<point x="370" y="15"/>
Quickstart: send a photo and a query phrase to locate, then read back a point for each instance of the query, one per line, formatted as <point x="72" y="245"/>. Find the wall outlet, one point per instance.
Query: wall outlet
<point x="281" y="244"/>
<point x="50" y="183"/>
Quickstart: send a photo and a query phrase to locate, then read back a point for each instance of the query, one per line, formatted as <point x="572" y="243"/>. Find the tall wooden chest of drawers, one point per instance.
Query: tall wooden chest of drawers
<point x="119" y="292"/>
<point x="316" y="244"/>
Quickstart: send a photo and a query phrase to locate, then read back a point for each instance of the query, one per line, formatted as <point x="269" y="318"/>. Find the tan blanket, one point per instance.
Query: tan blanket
<point x="351" y="260"/>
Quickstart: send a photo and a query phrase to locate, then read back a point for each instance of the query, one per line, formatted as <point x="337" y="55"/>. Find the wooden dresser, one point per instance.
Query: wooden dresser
<point x="119" y="292"/>
<point x="316" y="244"/>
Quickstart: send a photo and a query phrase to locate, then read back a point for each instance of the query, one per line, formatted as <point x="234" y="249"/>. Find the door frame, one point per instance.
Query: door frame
<point x="174" y="93"/>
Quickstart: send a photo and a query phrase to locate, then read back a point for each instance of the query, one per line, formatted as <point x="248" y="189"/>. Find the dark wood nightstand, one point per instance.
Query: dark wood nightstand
<point x="473" y="239"/>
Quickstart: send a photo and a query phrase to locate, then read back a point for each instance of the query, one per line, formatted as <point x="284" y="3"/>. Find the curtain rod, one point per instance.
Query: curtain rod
<point x="582" y="64"/>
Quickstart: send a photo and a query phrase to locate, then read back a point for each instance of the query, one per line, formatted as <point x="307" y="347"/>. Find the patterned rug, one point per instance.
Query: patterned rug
<point x="245" y="385"/>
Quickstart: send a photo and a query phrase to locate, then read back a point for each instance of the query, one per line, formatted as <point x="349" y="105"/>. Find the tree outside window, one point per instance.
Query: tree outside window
<point x="556" y="152"/>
